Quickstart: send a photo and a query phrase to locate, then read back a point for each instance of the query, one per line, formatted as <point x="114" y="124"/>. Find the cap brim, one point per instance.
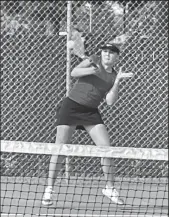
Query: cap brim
<point x="112" y="48"/>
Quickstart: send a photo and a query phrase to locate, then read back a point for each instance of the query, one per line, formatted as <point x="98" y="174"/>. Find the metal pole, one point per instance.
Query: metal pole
<point x="90" y="7"/>
<point x="124" y="19"/>
<point x="68" y="65"/>
<point x="68" y="58"/>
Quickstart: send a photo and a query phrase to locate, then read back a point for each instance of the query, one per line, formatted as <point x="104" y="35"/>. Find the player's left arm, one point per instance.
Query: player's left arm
<point x="112" y="95"/>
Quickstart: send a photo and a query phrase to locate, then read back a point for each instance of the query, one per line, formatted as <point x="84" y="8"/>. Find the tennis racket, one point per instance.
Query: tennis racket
<point x="76" y="44"/>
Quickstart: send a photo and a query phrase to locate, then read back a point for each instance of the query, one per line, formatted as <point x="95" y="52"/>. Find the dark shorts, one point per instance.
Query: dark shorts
<point x="74" y="114"/>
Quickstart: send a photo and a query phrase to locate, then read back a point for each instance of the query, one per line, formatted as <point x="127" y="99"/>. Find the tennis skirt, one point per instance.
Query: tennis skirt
<point x="74" y="114"/>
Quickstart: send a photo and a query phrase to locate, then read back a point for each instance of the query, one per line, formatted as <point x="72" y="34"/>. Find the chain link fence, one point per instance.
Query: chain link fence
<point x="33" y="54"/>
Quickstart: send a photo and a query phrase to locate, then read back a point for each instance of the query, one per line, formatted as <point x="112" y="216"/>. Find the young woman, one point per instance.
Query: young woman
<point x="80" y="110"/>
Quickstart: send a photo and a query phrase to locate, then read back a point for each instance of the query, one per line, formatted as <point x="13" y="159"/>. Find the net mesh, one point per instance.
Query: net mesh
<point x="144" y="190"/>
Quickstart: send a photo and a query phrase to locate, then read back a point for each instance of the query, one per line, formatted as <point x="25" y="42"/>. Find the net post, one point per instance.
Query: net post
<point x="68" y="65"/>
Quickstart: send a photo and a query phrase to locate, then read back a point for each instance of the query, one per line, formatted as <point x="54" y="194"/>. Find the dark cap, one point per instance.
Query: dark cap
<point x="111" y="46"/>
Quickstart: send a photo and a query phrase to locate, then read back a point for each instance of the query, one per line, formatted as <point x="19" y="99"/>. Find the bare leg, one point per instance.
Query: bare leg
<point x="100" y="136"/>
<point x="64" y="134"/>
<point x="108" y="170"/>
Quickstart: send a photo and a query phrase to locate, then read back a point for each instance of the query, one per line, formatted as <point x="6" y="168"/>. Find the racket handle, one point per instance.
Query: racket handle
<point x="91" y="61"/>
<point x="94" y="64"/>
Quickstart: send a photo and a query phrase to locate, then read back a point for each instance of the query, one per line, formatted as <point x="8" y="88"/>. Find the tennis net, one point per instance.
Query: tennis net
<point x="140" y="178"/>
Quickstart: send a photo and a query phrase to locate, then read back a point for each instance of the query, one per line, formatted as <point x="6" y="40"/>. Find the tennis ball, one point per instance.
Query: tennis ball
<point x="70" y="44"/>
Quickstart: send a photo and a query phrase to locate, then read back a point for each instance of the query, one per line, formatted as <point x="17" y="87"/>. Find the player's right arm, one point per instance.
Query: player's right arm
<point x="83" y="69"/>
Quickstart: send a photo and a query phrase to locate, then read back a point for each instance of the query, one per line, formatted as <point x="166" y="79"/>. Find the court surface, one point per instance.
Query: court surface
<point x="24" y="199"/>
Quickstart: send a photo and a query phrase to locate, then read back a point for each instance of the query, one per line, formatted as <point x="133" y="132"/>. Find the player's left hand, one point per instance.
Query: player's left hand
<point x="121" y="74"/>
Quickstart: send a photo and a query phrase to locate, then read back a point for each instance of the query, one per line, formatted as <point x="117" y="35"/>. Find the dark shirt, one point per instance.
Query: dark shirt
<point x="91" y="89"/>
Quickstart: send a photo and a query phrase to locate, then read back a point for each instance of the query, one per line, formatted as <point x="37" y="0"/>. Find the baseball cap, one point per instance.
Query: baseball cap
<point x="111" y="46"/>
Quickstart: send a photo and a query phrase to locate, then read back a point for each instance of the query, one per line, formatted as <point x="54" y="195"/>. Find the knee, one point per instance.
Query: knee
<point x="62" y="139"/>
<point x="64" y="134"/>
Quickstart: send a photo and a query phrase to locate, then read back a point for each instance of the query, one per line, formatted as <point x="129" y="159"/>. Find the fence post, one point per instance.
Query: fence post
<point x="68" y="65"/>
<point x="68" y="59"/>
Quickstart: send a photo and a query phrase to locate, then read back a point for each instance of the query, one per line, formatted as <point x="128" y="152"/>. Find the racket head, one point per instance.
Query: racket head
<point x="77" y="37"/>
<point x="78" y="48"/>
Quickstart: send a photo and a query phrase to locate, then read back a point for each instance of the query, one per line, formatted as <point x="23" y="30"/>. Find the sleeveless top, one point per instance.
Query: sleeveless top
<point x="90" y="90"/>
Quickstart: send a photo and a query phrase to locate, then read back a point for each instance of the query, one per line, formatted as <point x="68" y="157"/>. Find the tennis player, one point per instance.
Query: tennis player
<point x="80" y="111"/>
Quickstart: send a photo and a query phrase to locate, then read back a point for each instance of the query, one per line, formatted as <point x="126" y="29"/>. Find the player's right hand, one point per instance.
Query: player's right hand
<point x="94" y="69"/>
